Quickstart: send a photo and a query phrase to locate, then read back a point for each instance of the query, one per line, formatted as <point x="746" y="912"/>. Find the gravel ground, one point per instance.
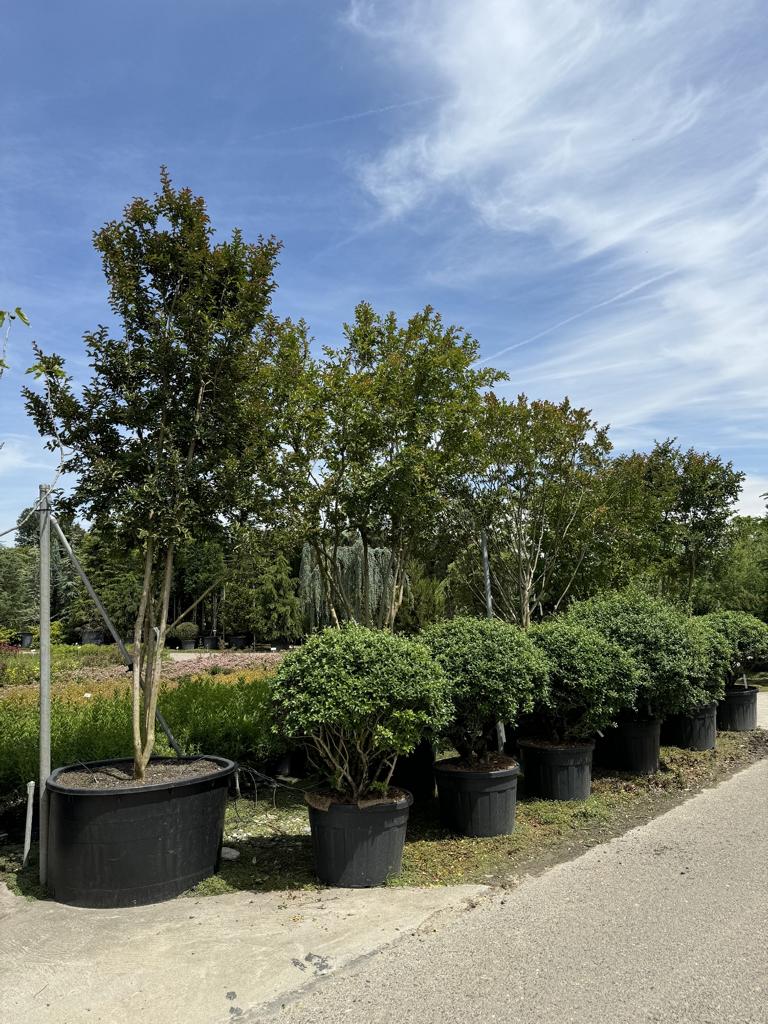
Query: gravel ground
<point x="666" y="924"/>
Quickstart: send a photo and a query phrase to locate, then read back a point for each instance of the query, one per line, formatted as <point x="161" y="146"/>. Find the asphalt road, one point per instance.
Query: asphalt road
<point x="668" y="923"/>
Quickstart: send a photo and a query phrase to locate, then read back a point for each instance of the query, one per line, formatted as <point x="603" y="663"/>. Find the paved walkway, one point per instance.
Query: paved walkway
<point x="666" y="924"/>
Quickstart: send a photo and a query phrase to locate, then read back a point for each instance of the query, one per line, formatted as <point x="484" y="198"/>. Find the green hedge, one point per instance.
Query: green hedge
<point x="230" y="719"/>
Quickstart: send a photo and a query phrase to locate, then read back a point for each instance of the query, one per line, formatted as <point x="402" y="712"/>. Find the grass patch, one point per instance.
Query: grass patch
<point x="271" y="833"/>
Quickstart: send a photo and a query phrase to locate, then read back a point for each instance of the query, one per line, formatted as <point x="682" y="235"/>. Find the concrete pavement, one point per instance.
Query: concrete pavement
<point x="667" y="924"/>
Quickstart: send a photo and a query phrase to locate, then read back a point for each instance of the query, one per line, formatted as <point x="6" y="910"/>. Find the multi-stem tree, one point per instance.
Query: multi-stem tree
<point x="177" y="428"/>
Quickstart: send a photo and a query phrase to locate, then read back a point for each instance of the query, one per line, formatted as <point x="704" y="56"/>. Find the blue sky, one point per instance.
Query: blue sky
<point x="583" y="186"/>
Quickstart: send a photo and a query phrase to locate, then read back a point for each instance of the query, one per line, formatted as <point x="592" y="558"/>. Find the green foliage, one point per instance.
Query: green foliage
<point x="591" y="679"/>
<point x="495" y="673"/>
<point x="654" y="633"/>
<point x="19" y="668"/>
<point x="81" y="730"/>
<point x="229" y="719"/>
<point x="747" y="639"/>
<point x="186" y="631"/>
<point x="260" y="595"/>
<point x="178" y="429"/>
<point x="737" y="579"/>
<point x="388" y="424"/>
<point x="18" y="588"/>
<point x="358" y="698"/>
<point x="537" y="488"/>
<point x="710" y="653"/>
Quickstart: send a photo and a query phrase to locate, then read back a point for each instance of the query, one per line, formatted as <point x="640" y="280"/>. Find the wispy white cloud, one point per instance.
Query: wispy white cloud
<point x="632" y="139"/>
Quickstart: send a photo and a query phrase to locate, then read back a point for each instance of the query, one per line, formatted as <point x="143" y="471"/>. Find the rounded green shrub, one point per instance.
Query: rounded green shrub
<point x="186" y="631"/>
<point x="591" y="680"/>
<point x="358" y="698"/>
<point x="655" y="634"/>
<point x="747" y="639"/>
<point x="710" y="656"/>
<point x="495" y="673"/>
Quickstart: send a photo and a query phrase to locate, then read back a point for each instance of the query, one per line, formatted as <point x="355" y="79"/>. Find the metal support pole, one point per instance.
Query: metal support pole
<point x="501" y="732"/>
<point x="45" y="675"/>
<point x="60" y="536"/>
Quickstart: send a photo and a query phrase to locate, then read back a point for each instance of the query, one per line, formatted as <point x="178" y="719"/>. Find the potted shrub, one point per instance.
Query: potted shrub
<point x="171" y="439"/>
<point x="186" y="634"/>
<point x="747" y="639"/>
<point x="693" y="726"/>
<point x="591" y="681"/>
<point x="654" y="633"/>
<point x="358" y="698"/>
<point x="495" y="674"/>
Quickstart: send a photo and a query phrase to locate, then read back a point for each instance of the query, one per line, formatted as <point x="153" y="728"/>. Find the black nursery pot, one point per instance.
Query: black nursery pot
<point x="136" y="845"/>
<point x="26" y="639"/>
<point x="557" y="771"/>
<point x="692" y="732"/>
<point x="358" y="847"/>
<point x="92" y="636"/>
<point x="238" y="641"/>
<point x="477" y="803"/>
<point x="210" y="643"/>
<point x="737" y="711"/>
<point x="633" y="746"/>
<point x="187" y="645"/>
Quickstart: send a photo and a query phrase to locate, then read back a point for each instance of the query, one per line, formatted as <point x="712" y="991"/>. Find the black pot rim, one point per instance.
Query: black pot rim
<point x="474" y="773"/>
<point x="736" y="690"/>
<point x="51" y="783"/>
<point x="340" y="807"/>
<point x="545" y="745"/>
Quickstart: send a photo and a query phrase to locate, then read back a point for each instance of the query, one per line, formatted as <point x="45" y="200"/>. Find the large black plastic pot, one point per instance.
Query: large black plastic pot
<point x="26" y="639"/>
<point x="92" y="636"/>
<point x="238" y="641"/>
<point x="633" y="746"/>
<point x="692" y="732"/>
<point x="210" y="643"/>
<point x="415" y="772"/>
<point x="557" y="771"/>
<point x="737" y="711"/>
<point x="357" y="847"/>
<point x="477" y="803"/>
<point x="136" y="845"/>
<point x="187" y="645"/>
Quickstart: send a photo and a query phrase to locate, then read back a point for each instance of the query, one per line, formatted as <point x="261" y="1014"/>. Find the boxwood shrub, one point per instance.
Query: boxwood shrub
<point x="710" y="654"/>
<point x="495" y="673"/>
<point x="591" y="680"/>
<point x="358" y="698"/>
<point x="655" y="634"/>
<point x="747" y="639"/>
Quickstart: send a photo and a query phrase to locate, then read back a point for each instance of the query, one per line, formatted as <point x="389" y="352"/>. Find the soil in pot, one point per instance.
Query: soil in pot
<point x="478" y="801"/>
<point x="737" y="711"/>
<point x="557" y="771"/>
<point x="692" y="732"/>
<point x="113" y="842"/>
<point x="358" y="845"/>
<point x="632" y="746"/>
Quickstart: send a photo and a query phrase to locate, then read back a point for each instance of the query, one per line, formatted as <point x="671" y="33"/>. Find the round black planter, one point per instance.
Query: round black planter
<point x="477" y="803"/>
<point x="737" y="711"/>
<point x="562" y="772"/>
<point x="92" y="636"/>
<point x="137" y="845"/>
<point x="238" y="641"/>
<point x="415" y="772"/>
<point x="357" y="847"/>
<point x="691" y="732"/>
<point x="187" y="645"/>
<point x="633" y="746"/>
<point x="210" y="643"/>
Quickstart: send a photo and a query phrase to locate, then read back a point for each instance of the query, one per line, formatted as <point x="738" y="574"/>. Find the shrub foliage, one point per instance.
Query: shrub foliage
<point x="495" y="674"/>
<point x="358" y="698"/>
<point x="591" y="680"/>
